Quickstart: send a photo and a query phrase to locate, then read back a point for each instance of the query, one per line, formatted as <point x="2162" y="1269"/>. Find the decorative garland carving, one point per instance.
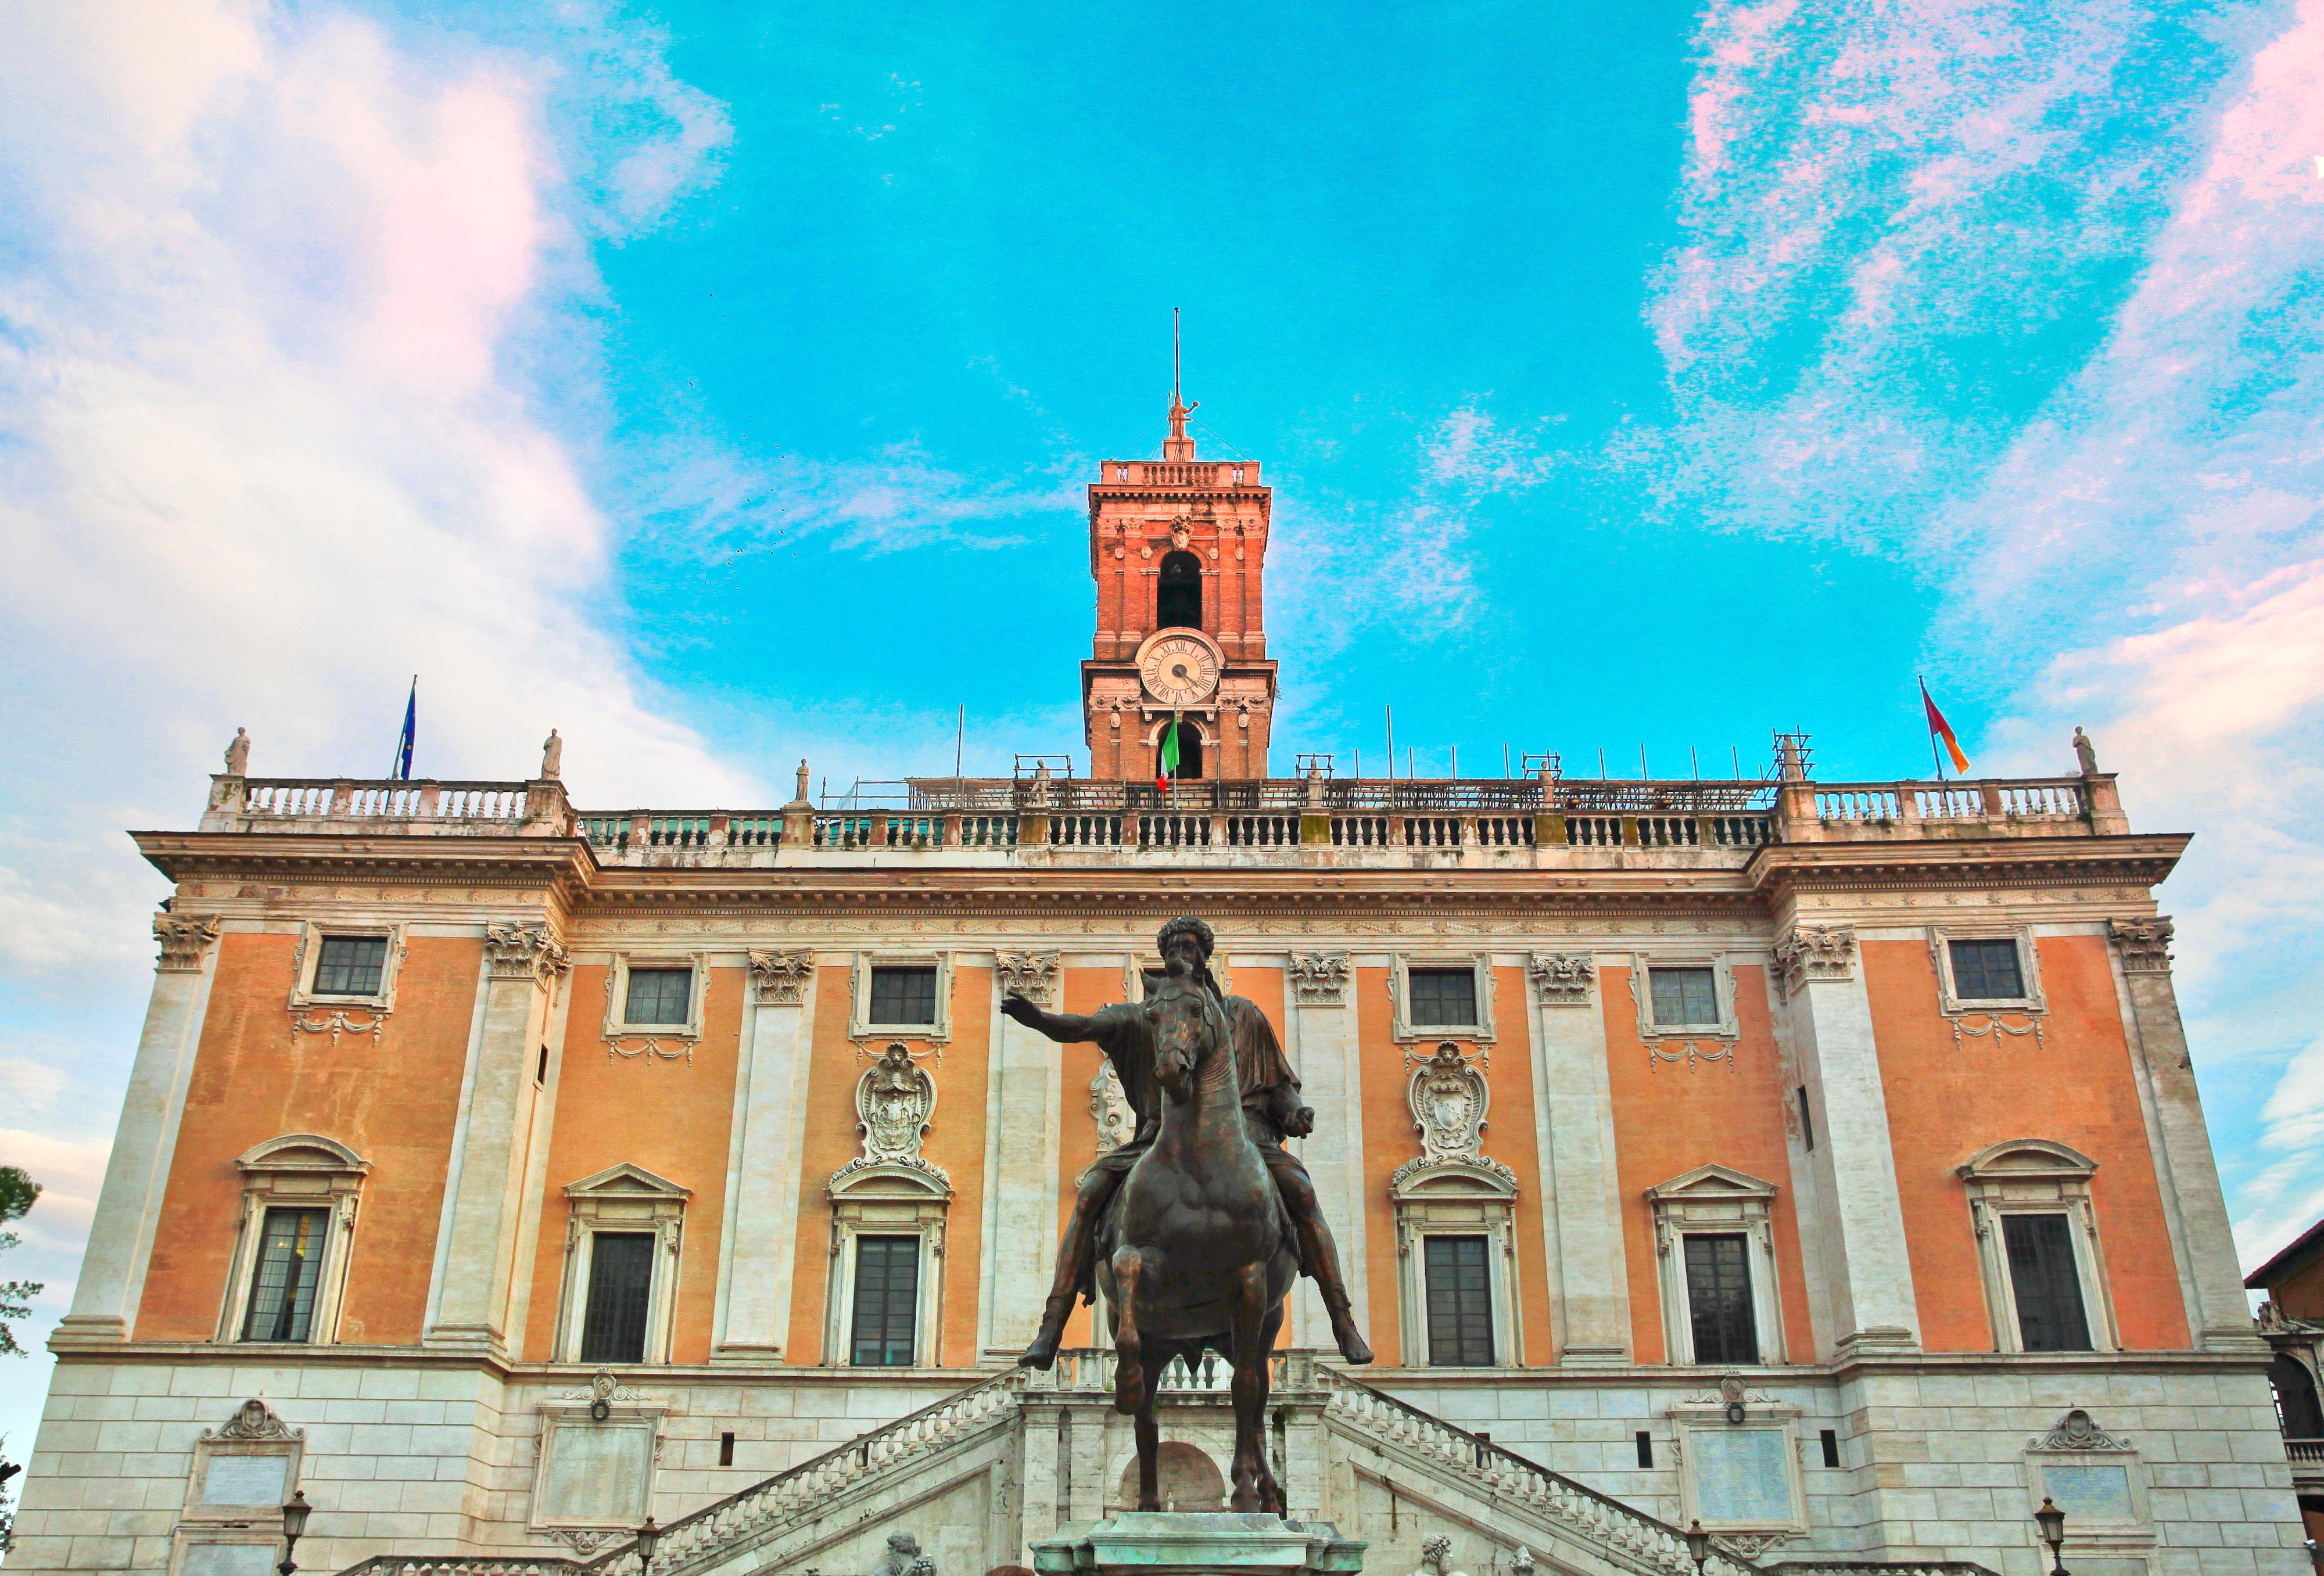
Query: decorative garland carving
<point x="1319" y="979"/>
<point x="782" y="977"/>
<point x="2078" y="1431"/>
<point x="185" y="938"/>
<point x="1562" y="979"/>
<point x="2144" y="943"/>
<point x="1690" y="1053"/>
<point x="649" y="1050"/>
<point x="1993" y="1026"/>
<point x="338" y="1024"/>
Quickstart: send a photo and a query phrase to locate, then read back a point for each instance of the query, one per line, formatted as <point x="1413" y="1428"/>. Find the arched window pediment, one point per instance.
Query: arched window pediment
<point x="2027" y="1159"/>
<point x="301" y="1152"/>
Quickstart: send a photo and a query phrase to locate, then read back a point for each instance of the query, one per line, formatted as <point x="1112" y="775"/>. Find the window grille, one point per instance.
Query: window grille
<point x="351" y="965"/>
<point x="901" y="996"/>
<point x="887" y="1301"/>
<point x="1460" y="1302"/>
<point x="1719" y="1299"/>
<point x="1442" y="998"/>
<point x="658" y="996"/>
<point x="290" y="1269"/>
<point x="621" y="1284"/>
<point x="1987" y="971"/>
<point x="1682" y="996"/>
<point x="2043" y="1280"/>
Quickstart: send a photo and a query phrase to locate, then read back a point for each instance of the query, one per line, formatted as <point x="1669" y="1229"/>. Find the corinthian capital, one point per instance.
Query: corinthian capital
<point x="1561" y="979"/>
<point x="782" y="977"/>
<point x="523" y="952"/>
<point x="1815" y="952"/>
<point x="1320" y="978"/>
<point x="1030" y="974"/>
<point x="2144" y="943"/>
<point x="184" y="938"/>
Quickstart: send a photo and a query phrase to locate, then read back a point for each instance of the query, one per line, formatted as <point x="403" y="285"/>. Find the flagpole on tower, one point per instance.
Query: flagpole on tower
<point x="1935" y="754"/>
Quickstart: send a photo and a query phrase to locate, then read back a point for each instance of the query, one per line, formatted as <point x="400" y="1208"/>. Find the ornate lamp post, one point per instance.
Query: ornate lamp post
<point x="1698" y="1544"/>
<point x="648" y="1536"/>
<point x="295" y="1512"/>
<point x="2052" y="1522"/>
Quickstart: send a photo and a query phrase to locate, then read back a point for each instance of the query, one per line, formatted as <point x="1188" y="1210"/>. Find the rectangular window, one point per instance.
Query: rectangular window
<point x="658" y="996"/>
<point x="351" y="965"/>
<point x="1718" y="1297"/>
<point x="1807" y="1120"/>
<point x="1442" y="998"/>
<point x="2045" y="1283"/>
<point x="1683" y="996"/>
<point x="904" y="995"/>
<point x="621" y="1290"/>
<point x="290" y="1269"/>
<point x="887" y="1301"/>
<point x="1830" y="1447"/>
<point x="1987" y="971"/>
<point x="725" y="1450"/>
<point x="1646" y="1448"/>
<point x="1460" y="1302"/>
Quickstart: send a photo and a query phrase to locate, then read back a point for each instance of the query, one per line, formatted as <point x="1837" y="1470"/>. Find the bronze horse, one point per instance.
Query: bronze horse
<point x="1195" y="1251"/>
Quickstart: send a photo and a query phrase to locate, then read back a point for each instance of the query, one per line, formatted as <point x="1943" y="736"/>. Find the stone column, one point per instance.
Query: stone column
<point x="1573" y="1117"/>
<point x="112" y="1269"/>
<point x="2221" y="1314"/>
<point x="763" y="1182"/>
<point x="1323" y="1044"/>
<point x="1021" y="1161"/>
<point x="1869" y="1280"/>
<point x="523" y="963"/>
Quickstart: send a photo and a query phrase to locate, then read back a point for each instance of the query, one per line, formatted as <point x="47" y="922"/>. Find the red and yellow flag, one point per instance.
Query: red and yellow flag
<point x="1940" y="729"/>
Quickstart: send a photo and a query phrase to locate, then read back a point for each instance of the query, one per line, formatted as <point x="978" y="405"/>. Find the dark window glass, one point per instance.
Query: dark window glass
<point x="1830" y="1447"/>
<point x="1646" y="1448"/>
<point x="1987" y="971"/>
<point x="351" y="965"/>
<point x="289" y="1269"/>
<point x="2297" y="1412"/>
<point x="1718" y="1297"/>
<point x="658" y="995"/>
<point x="903" y="995"/>
<point x="2048" y="1287"/>
<point x="1443" y="997"/>
<point x="1178" y="593"/>
<point x="620" y="1283"/>
<point x="725" y="1450"/>
<point x="887" y="1301"/>
<point x="1807" y="1118"/>
<point x="1460" y="1304"/>
<point x="1683" y="996"/>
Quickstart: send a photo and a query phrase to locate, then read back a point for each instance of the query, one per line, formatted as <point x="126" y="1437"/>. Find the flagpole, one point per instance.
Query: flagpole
<point x="1935" y="754"/>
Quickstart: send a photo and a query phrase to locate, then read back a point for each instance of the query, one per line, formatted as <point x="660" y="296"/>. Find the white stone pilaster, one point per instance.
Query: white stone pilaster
<point x="763" y="1183"/>
<point x="1021" y="1161"/>
<point x="1573" y="1118"/>
<point x="470" y="1301"/>
<point x="137" y="1173"/>
<point x="1324" y="1054"/>
<point x="1869" y="1277"/>
<point x="2220" y="1315"/>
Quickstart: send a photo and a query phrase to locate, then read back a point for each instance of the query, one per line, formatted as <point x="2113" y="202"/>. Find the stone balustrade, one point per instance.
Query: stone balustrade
<point x="1493" y="823"/>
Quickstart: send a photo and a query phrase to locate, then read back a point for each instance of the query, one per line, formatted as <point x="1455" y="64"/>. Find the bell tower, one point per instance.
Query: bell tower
<point x="1178" y="550"/>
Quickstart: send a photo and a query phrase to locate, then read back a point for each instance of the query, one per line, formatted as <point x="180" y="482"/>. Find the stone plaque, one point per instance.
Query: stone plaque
<point x="2090" y="1490"/>
<point x="1740" y="1476"/>
<point x="228" y="1559"/>
<point x="240" y="1480"/>
<point x="593" y="1473"/>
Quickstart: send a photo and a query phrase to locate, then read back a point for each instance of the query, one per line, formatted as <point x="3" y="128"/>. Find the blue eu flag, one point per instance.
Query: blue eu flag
<point x="401" y="770"/>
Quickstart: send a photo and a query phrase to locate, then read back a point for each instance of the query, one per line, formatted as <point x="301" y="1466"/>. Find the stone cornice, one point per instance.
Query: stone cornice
<point x="1778" y="871"/>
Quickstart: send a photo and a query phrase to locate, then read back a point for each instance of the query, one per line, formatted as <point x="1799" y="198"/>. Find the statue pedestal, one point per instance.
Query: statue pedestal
<point x="1169" y="1543"/>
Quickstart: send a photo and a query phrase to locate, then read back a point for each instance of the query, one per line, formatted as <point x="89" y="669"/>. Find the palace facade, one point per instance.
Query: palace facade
<point x="1818" y="1161"/>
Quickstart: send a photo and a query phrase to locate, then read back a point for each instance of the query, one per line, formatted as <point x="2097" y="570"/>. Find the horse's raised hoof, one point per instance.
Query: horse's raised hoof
<point x="1352" y="1349"/>
<point x="1042" y="1353"/>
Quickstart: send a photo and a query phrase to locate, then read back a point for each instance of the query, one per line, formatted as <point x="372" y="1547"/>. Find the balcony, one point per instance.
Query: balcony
<point x="1313" y="822"/>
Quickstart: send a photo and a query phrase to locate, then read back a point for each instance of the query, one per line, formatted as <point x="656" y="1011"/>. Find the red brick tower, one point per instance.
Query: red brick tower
<point x="1178" y="548"/>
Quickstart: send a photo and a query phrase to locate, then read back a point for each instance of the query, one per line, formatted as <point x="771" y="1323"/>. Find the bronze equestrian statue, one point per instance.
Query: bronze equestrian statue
<point x="1197" y="1227"/>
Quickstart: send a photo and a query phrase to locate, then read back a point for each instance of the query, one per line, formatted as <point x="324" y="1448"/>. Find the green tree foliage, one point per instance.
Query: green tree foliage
<point x="17" y="1191"/>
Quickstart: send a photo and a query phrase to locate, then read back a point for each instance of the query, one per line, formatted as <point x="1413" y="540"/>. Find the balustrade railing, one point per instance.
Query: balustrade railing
<point x="1555" y="1498"/>
<point x="1263" y="831"/>
<point x="1738" y="831"/>
<point x="1857" y="804"/>
<point x="1431" y="831"/>
<point x="1174" y="830"/>
<point x="341" y="800"/>
<point x="2304" y="1450"/>
<point x="988" y="831"/>
<point x="1360" y="831"/>
<point x="460" y="1565"/>
<point x="1668" y="831"/>
<point x="1593" y="831"/>
<point x="1085" y="831"/>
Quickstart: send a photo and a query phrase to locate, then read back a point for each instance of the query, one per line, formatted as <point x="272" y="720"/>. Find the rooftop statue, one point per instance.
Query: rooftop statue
<point x="1196" y="1228"/>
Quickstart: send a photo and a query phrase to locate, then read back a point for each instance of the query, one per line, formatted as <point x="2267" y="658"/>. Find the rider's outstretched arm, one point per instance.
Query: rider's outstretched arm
<point x="1065" y="1028"/>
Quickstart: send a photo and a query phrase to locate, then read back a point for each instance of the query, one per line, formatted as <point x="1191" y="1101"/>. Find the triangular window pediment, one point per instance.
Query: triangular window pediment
<point x="626" y="1180"/>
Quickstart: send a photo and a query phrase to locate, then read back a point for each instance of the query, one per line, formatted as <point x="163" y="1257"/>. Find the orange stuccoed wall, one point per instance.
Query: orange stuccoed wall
<point x="955" y="1144"/>
<point x="1947" y="1101"/>
<point x="392" y="1099"/>
<point x="671" y="1117"/>
<point x="1389" y="1140"/>
<point x="1671" y="1117"/>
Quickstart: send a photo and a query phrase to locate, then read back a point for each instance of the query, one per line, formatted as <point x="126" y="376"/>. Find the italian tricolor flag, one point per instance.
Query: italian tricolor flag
<point x="1166" y="762"/>
<point x="1940" y="729"/>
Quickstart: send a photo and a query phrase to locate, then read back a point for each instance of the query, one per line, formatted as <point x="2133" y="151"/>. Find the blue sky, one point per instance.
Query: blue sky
<point x="716" y="384"/>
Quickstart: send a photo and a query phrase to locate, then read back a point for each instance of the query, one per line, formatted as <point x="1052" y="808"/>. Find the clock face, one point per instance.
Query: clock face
<point x="1179" y="671"/>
